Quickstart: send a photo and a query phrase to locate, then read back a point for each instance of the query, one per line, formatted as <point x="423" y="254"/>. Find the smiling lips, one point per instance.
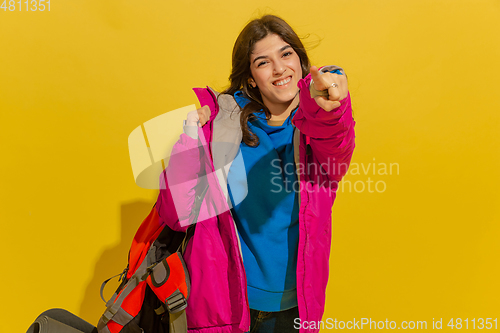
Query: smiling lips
<point x="282" y="82"/>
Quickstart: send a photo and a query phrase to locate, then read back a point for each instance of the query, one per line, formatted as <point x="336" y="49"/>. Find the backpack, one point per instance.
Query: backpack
<point x="155" y="286"/>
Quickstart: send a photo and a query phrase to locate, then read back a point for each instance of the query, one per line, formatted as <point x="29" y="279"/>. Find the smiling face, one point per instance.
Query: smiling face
<point x="276" y="70"/>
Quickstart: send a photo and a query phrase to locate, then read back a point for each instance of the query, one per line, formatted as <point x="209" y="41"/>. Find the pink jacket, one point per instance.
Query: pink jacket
<point x="218" y="300"/>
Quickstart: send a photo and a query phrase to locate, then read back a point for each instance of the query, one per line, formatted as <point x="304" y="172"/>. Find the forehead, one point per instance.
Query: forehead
<point x="268" y="45"/>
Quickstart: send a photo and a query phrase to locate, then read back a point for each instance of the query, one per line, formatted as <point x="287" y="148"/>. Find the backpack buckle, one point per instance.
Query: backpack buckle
<point x="176" y="302"/>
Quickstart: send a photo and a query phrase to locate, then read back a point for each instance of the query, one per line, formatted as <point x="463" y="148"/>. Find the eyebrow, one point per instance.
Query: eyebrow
<point x="265" y="56"/>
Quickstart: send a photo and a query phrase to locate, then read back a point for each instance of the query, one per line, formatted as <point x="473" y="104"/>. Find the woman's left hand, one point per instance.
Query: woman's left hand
<point x="336" y="85"/>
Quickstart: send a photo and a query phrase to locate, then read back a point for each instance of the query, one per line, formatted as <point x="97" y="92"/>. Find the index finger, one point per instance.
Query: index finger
<point x="315" y="75"/>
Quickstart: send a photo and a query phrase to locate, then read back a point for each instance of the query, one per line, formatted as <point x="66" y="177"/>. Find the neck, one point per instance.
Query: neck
<point x="281" y="111"/>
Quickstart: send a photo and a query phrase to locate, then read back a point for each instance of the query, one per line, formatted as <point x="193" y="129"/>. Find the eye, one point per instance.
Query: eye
<point x="261" y="63"/>
<point x="288" y="53"/>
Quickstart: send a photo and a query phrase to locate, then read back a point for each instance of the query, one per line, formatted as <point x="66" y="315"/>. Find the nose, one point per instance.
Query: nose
<point x="279" y="68"/>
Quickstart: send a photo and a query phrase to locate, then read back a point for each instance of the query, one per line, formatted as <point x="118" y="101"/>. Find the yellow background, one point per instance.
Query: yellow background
<point x="423" y="75"/>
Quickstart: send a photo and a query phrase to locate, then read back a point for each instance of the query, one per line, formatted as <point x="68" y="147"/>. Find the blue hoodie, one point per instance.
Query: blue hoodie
<point x="267" y="219"/>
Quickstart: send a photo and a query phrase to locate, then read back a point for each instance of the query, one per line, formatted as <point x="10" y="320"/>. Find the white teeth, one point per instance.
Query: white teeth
<point x="285" y="81"/>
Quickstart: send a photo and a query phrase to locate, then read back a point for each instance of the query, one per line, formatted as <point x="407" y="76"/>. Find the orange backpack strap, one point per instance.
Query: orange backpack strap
<point x="169" y="280"/>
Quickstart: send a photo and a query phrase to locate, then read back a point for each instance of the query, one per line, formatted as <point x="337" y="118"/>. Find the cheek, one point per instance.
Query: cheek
<point x="259" y="77"/>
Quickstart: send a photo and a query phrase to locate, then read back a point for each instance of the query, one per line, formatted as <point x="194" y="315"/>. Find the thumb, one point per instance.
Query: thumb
<point x="326" y="104"/>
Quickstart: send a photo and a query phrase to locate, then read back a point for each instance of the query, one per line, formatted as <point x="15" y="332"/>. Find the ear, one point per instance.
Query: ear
<point x="252" y="83"/>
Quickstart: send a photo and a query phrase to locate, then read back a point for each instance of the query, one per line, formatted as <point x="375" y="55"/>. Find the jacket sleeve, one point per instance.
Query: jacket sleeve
<point x="327" y="136"/>
<point x="178" y="183"/>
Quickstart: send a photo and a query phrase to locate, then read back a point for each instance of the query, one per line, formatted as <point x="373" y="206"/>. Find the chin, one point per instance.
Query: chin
<point x="289" y="96"/>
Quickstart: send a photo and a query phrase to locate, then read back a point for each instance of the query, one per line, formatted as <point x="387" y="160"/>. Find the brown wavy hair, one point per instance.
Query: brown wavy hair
<point x="252" y="33"/>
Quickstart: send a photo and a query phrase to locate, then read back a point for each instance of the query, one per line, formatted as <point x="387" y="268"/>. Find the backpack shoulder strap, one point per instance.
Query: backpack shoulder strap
<point x="195" y="213"/>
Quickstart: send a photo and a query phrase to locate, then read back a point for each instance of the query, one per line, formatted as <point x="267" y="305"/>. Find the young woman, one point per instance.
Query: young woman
<point x="278" y="141"/>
